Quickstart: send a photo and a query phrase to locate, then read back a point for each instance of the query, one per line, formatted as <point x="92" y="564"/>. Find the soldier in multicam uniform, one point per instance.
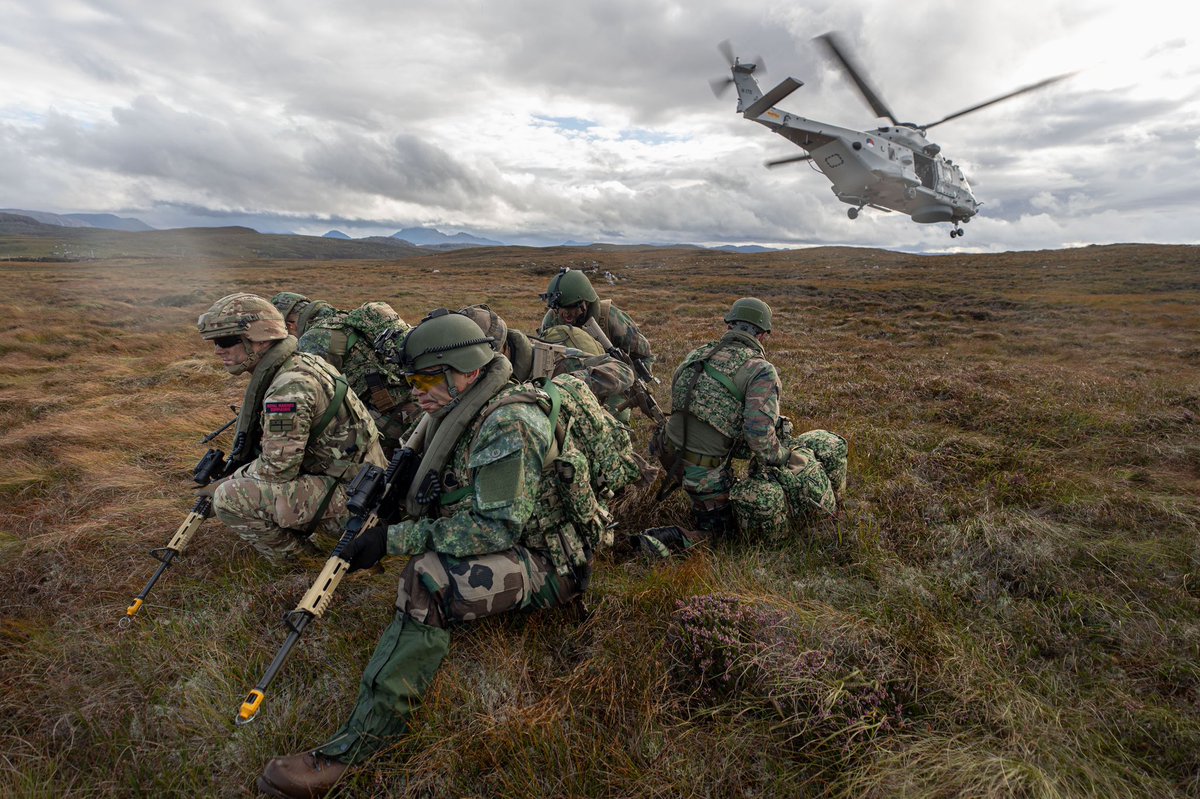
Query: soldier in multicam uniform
<point x="299" y="311"/>
<point x="479" y="549"/>
<point x="725" y="404"/>
<point x="346" y="340"/>
<point x="312" y="434"/>
<point x="559" y="350"/>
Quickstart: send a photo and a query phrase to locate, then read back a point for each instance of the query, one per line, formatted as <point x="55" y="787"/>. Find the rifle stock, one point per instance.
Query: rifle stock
<point x="373" y="495"/>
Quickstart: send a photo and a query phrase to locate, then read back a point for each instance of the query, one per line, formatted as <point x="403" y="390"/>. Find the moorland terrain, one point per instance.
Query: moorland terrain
<point x="1007" y="605"/>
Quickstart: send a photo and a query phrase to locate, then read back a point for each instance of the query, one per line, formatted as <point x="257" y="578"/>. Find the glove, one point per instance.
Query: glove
<point x="367" y="548"/>
<point x="784" y="427"/>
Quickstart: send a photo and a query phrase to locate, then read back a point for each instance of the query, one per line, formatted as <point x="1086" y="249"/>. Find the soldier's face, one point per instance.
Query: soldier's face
<point x="291" y="321"/>
<point x="433" y="397"/>
<point x="573" y="314"/>
<point x="232" y="352"/>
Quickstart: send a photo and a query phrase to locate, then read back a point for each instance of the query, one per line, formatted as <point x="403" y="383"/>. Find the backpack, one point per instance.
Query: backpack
<point x="588" y="441"/>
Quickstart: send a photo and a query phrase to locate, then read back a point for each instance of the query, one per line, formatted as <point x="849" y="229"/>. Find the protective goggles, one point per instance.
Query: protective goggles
<point x="225" y="342"/>
<point x="427" y="379"/>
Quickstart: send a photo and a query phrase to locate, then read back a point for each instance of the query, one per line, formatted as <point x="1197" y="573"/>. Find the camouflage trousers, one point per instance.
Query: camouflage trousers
<point x="772" y="498"/>
<point x="273" y="517"/>
<point x="436" y="592"/>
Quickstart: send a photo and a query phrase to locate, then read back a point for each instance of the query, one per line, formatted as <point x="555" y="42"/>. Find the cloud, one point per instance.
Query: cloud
<point x="589" y="120"/>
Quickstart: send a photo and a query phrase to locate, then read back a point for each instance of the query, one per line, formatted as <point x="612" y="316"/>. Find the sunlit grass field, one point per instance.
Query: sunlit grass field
<point x="1008" y="605"/>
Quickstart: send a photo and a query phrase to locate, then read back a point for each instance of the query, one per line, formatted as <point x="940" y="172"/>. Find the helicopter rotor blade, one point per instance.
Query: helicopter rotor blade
<point x="841" y="54"/>
<point x="726" y="49"/>
<point x="1033" y="86"/>
<point x="789" y="160"/>
<point x="720" y="85"/>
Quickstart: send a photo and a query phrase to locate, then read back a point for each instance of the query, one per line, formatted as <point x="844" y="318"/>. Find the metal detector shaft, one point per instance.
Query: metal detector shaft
<point x="254" y="699"/>
<point x="175" y="547"/>
<point x="368" y="492"/>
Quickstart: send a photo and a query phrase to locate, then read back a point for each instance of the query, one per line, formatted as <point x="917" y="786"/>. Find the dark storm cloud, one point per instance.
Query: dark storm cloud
<point x="404" y="168"/>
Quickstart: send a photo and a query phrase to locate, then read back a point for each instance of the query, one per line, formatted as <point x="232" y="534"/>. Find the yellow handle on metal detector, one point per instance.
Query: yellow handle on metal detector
<point x="250" y="707"/>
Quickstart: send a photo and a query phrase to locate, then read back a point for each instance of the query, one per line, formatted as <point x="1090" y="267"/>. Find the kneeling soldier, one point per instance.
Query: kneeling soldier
<point x="487" y="535"/>
<point x="311" y="433"/>
<point x="725" y="405"/>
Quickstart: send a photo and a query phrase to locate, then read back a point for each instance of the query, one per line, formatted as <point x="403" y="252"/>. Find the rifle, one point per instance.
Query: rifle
<point x="639" y="392"/>
<point x="213" y="466"/>
<point x="373" y="495"/>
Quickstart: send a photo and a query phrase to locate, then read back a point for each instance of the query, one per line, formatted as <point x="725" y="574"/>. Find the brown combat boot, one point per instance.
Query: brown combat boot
<point x="307" y="775"/>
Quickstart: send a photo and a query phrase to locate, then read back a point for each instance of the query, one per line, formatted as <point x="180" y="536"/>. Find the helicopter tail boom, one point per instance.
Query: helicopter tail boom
<point x="771" y="98"/>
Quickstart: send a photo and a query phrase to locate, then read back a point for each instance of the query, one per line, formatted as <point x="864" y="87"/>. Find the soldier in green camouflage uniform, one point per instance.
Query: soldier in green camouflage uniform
<point x="571" y="300"/>
<point x="559" y="350"/>
<point x="346" y="340"/>
<point x="312" y="434"/>
<point x="299" y="311"/>
<point x="481" y="515"/>
<point x="725" y="404"/>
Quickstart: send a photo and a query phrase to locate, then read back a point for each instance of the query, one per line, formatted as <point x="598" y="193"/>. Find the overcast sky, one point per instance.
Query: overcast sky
<point x="543" y="121"/>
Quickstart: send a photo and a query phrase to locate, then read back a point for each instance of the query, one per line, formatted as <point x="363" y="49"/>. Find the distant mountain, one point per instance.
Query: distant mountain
<point x="101" y="221"/>
<point x="335" y="234"/>
<point x="112" y="222"/>
<point x="23" y="238"/>
<point x="745" y="249"/>
<point x="424" y="237"/>
<point x="46" y="218"/>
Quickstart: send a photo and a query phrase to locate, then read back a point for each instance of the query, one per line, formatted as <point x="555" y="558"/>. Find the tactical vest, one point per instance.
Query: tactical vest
<point x="717" y="395"/>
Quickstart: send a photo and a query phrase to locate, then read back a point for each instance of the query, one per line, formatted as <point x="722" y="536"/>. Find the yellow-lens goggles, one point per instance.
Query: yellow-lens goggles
<point x="425" y="381"/>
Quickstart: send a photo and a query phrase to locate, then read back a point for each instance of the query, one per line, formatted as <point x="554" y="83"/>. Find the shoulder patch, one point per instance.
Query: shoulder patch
<point x="281" y="407"/>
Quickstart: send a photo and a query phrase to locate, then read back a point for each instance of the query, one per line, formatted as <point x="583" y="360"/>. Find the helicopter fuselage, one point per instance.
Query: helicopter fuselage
<point x="892" y="168"/>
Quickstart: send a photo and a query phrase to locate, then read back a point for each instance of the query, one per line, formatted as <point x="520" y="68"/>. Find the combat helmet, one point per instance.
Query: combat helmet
<point x="489" y="322"/>
<point x="245" y="315"/>
<point x="444" y="338"/>
<point x="569" y="287"/>
<point x="751" y="310"/>
<point x="289" y="301"/>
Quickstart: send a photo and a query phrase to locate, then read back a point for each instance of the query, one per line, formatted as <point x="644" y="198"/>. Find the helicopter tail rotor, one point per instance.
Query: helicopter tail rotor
<point x="721" y="85"/>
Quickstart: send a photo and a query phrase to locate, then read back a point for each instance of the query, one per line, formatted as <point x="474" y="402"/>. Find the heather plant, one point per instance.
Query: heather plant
<point x="747" y="654"/>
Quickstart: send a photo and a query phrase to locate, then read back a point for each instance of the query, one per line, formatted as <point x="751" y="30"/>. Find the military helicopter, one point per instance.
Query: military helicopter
<point x="892" y="168"/>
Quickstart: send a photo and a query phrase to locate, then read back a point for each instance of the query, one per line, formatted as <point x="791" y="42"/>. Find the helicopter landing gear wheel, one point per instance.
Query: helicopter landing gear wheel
<point x="852" y="213"/>
<point x="957" y="232"/>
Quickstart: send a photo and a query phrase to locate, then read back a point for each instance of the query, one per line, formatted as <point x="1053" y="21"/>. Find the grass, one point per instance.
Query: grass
<point x="1007" y="606"/>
